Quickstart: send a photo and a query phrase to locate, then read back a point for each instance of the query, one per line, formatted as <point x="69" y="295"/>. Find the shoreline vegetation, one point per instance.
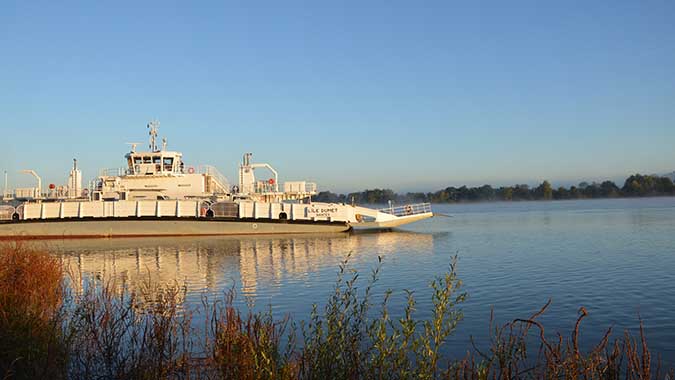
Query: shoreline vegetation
<point x="57" y="326"/>
<point x="636" y="185"/>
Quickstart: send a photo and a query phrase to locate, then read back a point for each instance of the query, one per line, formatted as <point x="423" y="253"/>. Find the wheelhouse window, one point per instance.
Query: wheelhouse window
<point x="157" y="160"/>
<point x="136" y="167"/>
<point x="168" y="164"/>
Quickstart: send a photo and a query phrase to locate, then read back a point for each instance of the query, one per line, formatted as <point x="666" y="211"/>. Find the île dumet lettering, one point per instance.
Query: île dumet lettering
<point x="321" y="211"/>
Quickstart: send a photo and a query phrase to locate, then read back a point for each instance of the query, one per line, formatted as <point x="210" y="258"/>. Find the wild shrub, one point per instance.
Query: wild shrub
<point x="31" y="295"/>
<point x="141" y="334"/>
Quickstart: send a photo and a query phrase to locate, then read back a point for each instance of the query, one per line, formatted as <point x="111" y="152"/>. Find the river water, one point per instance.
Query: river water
<point x="614" y="257"/>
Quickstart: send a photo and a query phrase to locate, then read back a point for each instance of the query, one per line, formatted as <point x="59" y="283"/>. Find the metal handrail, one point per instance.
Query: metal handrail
<point x="410" y="209"/>
<point x="113" y="172"/>
<point x="218" y="177"/>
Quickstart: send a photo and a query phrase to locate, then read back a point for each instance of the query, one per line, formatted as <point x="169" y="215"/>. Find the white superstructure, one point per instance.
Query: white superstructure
<point x="75" y="181"/>
<point x="157" y="193"/>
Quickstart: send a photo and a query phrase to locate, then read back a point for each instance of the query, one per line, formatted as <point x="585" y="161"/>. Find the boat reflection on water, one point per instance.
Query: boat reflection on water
<point x="212" y="265"/>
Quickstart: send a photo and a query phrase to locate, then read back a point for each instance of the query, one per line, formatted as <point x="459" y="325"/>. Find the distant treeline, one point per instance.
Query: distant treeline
<point x="635" y="186"/>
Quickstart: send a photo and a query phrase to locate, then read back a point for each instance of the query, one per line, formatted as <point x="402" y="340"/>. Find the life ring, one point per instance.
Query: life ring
<point x="270" y="181"/>
<point x="408" y="210"/>
<point x="191" y="170"/>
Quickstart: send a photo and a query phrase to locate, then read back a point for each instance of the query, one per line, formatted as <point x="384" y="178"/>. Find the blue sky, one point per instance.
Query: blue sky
<point x="353" y="95"/>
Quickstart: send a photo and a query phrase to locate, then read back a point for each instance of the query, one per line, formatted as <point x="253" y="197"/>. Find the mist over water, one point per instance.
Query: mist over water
<point x="614" y="257"/>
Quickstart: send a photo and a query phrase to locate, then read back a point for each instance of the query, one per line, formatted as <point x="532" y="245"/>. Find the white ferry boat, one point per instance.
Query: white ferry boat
<point x="158" y="194"/>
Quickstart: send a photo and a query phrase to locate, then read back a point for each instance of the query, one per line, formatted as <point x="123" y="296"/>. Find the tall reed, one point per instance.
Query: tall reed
<point x="31" y="294"/>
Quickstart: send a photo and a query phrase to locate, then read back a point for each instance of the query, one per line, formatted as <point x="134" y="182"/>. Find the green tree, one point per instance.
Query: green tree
<point x="609" y="190"/>
<point x="522" y="192"/>
<point x="561" y="193"/>
<point x="544" y="191"/>
<point x="507" y="193"/>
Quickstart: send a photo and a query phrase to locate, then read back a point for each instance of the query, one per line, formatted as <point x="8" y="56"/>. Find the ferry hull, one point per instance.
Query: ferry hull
<point x="398" y="221"/>
<point x="117" y="227"/>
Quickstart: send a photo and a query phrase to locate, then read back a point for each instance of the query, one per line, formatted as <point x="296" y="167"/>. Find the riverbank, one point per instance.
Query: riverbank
<point x="59" y="325"/>
<point x="635" y="186"/>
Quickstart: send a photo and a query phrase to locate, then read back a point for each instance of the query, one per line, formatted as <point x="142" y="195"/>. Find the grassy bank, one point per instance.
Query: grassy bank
<point x="50" y="329"/>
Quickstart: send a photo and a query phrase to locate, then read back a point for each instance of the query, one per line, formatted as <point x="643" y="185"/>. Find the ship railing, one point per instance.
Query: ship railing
<point x="296" y="187"/>
<point x="220" y="180"/>
<point x="7" y="195"/>
<point x="263" y="187"/>
<point x="27" y="193"/>
<point x="406" y="210"/>
<point x="113" y="172"/>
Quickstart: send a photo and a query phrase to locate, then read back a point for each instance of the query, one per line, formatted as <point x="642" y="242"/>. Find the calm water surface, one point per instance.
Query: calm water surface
<point x="614" y="257"/>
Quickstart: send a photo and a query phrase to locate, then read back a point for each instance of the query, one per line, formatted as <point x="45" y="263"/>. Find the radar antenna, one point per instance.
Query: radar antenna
<point x="153" y="126"/>
<point x="133" y="146"/>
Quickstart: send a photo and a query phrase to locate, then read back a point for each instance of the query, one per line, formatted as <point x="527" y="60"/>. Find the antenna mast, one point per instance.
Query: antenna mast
<point x="153" y="126"/>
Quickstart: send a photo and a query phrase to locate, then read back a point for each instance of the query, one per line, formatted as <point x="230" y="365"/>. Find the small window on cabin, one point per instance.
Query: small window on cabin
<point x="168" y="164"/>
<point x="157" y="160"/>
<point x="147" y="160"/>
<point x="138" y="160"/>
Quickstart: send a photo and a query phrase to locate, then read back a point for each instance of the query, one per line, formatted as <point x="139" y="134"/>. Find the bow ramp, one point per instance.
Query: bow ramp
<point x="392" y="216"/>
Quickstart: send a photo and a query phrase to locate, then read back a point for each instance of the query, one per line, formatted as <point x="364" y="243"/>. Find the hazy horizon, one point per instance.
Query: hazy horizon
<point x="17" y="179"/>
<point x="352" y="96"/>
